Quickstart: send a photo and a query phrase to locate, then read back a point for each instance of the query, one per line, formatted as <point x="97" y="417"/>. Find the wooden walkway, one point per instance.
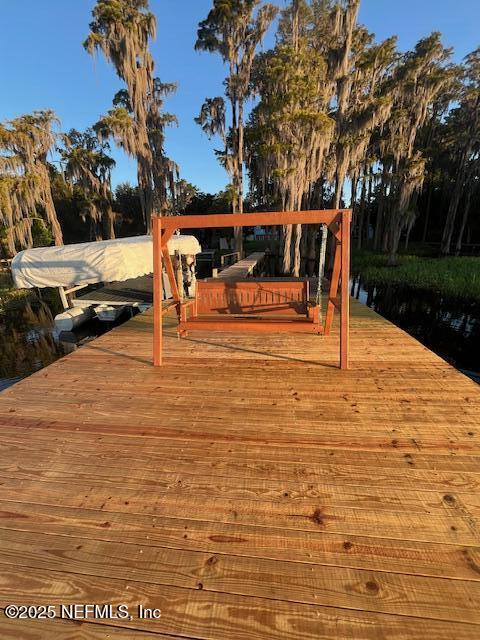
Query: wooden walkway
<point x="242" y="268"/>
<point x="249" y="489"/>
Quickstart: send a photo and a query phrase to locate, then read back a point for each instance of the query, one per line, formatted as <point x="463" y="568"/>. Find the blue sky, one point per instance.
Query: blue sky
<point x="45" y="66"/>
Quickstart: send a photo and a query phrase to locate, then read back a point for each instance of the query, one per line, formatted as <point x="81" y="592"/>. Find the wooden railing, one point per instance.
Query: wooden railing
<point x="229" y="255"/>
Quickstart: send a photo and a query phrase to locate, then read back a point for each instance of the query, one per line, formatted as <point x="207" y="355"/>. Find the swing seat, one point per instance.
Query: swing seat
<point x="265" y="305"/>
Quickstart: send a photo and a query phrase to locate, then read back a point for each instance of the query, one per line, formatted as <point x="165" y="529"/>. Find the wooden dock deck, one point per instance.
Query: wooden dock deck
<point x="248" y="489"/>
<point x="242" y="268"/>
<point x="135" y="290"/>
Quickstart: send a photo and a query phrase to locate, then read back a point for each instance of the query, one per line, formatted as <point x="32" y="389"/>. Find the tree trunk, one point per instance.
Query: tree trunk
<point x="238" y="231"/>
<point x="109" y="224"/>
<point x="145" y="193"/>
<point x="368" y="207"/>
<point x="386" y="238"/>
<point x="10" y="247"/>
<point x="427" y="212"/>
<point x="411" y="222"/>
<point x="388" y="224"/>
<point x="466" y="211"/>
<point x="53" y="220"/>
<point x="316" y="199"/>
<point x="287" y="249"/>
<point x="361" y="212"/>
<point x="395" y="233"/>
<point x="95" y="230"/>
<point x="450" y="221"/>
<point x="290" y="203"/>
<point x="237" y="172"/>
<point x="454" y="202"/>
<point x="353" y="191"/>
<point x="321" y="258"/>
<point x="379" y="223"/>
<point x="407" y="235"/>
<point x="339" y="181"/>
<point x="297" y="254"/>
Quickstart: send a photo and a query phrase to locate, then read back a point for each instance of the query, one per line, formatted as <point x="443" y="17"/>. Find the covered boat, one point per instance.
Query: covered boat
<point x="92" y="262"/>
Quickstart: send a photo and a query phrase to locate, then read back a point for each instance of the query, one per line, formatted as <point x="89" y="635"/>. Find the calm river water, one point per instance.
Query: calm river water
<point x="29" y="342"/>
<point x="450" y="328"/>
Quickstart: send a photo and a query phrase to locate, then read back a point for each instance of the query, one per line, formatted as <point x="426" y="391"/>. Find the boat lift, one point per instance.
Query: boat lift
<point x="122" y="267"/>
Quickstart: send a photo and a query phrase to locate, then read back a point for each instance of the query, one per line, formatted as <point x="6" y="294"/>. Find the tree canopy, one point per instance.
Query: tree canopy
<point x="328" y="116"/>
<point x="25" y="188"/>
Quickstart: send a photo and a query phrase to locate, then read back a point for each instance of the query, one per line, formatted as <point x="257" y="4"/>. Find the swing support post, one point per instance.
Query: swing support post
<point x="336" y="220"/>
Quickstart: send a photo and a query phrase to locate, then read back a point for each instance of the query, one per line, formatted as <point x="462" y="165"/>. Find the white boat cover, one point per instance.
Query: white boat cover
<point x="92" y="262"/>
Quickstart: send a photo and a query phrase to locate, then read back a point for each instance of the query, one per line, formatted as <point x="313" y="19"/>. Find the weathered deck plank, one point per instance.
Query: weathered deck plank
<point x="248" y="488"/>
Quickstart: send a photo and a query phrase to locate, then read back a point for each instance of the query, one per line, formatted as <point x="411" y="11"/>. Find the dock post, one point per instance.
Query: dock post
<point x="157" y="291"/>
<point x="345" y="289"/>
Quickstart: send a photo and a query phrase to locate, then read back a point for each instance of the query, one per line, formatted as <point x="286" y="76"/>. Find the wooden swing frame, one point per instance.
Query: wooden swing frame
<point x="338" y="223"/>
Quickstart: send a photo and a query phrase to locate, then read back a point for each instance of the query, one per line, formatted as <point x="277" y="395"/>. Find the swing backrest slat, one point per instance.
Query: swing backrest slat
<point x="252" y="297"/>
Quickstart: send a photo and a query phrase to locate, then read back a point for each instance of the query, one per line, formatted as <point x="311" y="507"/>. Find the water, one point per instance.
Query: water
<point x="28" y="340"/>
<point x="450" y="328"/>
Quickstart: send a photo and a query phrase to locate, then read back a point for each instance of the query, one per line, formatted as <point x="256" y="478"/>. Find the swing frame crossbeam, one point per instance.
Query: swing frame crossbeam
<point x="336" y="220"/>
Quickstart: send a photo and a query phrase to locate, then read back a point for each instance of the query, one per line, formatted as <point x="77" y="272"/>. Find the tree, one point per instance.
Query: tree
<point x="290" y="130"/>
<point x="128" y="210"/>
<point x="232" y="30"/>
<point x="334" y="31"/>
<point x="122" y="30"/>
<point x="322" y="96"/>
<point x="25" y="187"/>
<point x="87" y="165"/>
<point x="463" y="130"/>
<point x="119" y="124"/>
<point x="415" y="85"/>
<point x="367" y="107"/>
<point x="185" y="194"/>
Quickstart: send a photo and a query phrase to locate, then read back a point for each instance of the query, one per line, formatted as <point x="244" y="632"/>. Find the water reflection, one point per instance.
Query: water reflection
<point x="28" y="341"/>
<point x="450" y="328"/>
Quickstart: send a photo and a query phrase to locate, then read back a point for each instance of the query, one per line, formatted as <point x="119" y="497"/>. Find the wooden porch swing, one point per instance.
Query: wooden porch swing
<point x="261" y="305"/>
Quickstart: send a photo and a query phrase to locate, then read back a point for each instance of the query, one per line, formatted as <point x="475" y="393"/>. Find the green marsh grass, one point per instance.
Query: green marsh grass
<point x="456" y="277"/>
